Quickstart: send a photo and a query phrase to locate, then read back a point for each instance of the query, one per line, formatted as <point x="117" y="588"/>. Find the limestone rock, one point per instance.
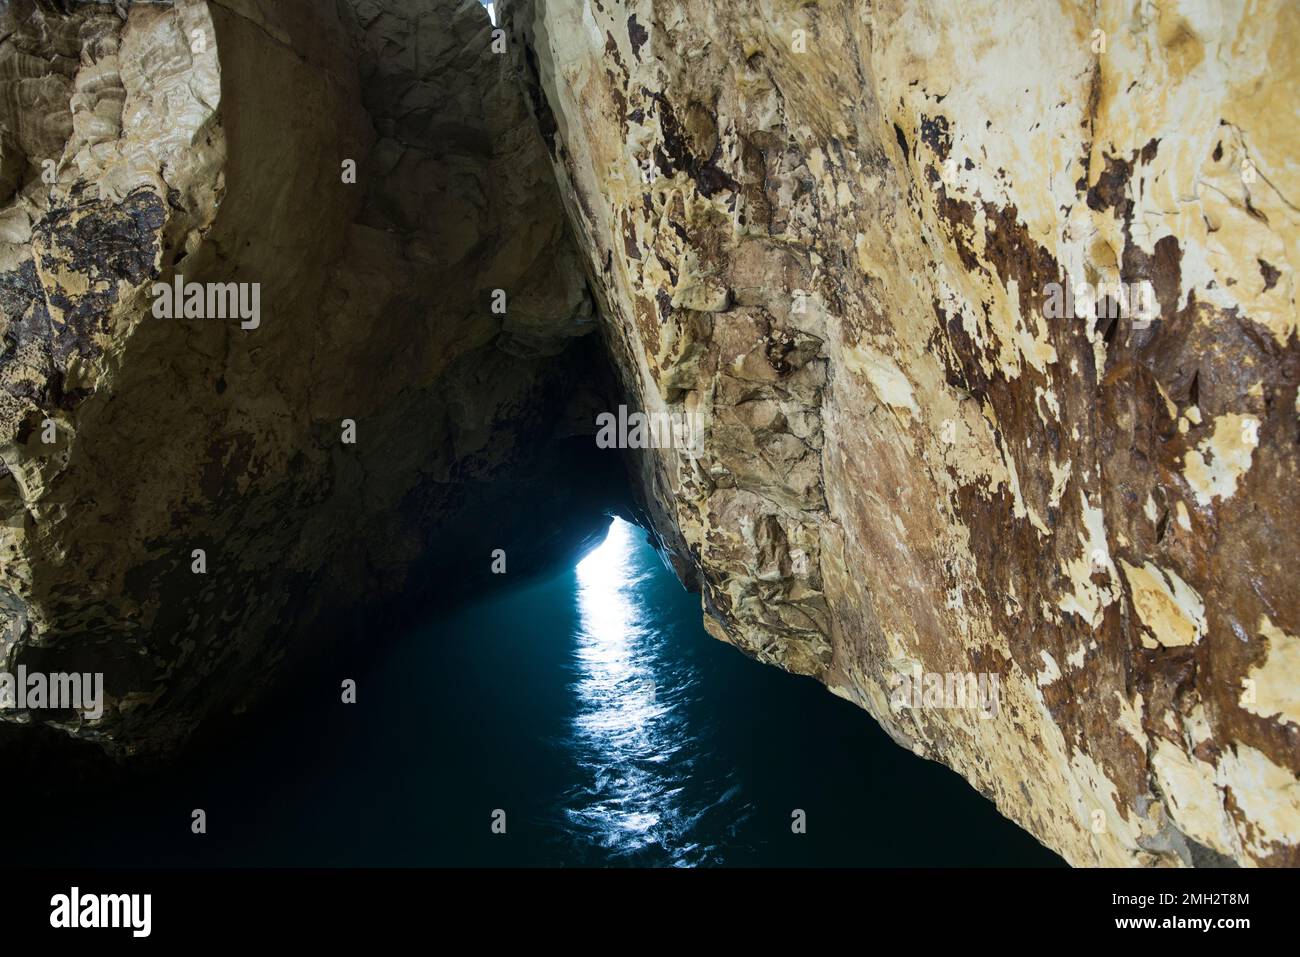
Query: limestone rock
<point x="833" y="229"/>
<point x="144" y="142"/>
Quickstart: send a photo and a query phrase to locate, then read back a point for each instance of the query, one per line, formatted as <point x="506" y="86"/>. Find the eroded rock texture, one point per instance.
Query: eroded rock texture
<point x="139" y="142"/>
<point x="829" y="227"/>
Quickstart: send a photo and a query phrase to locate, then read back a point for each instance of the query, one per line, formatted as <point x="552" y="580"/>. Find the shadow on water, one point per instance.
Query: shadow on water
<point x="593" y="710"/>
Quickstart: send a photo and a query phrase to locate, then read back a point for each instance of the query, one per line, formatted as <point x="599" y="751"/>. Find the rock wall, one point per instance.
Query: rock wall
<point x="144" y="142"/>
<point x="845" y="234"/>
<point x="832" y="228"/>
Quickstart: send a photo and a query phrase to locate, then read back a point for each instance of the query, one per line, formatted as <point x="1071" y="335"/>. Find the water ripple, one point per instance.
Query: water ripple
<point x="641" y="799"/>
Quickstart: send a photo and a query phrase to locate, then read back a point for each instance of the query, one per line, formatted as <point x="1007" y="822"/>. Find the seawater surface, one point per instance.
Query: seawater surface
<point x="591" y="715"/>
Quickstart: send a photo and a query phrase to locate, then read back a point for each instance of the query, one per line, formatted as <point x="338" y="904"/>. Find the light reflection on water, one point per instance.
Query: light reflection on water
<point x="644" y="790"/>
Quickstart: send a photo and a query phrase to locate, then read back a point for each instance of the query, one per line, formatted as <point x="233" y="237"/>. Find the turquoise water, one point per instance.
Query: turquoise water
<point x="593" y="710"/>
